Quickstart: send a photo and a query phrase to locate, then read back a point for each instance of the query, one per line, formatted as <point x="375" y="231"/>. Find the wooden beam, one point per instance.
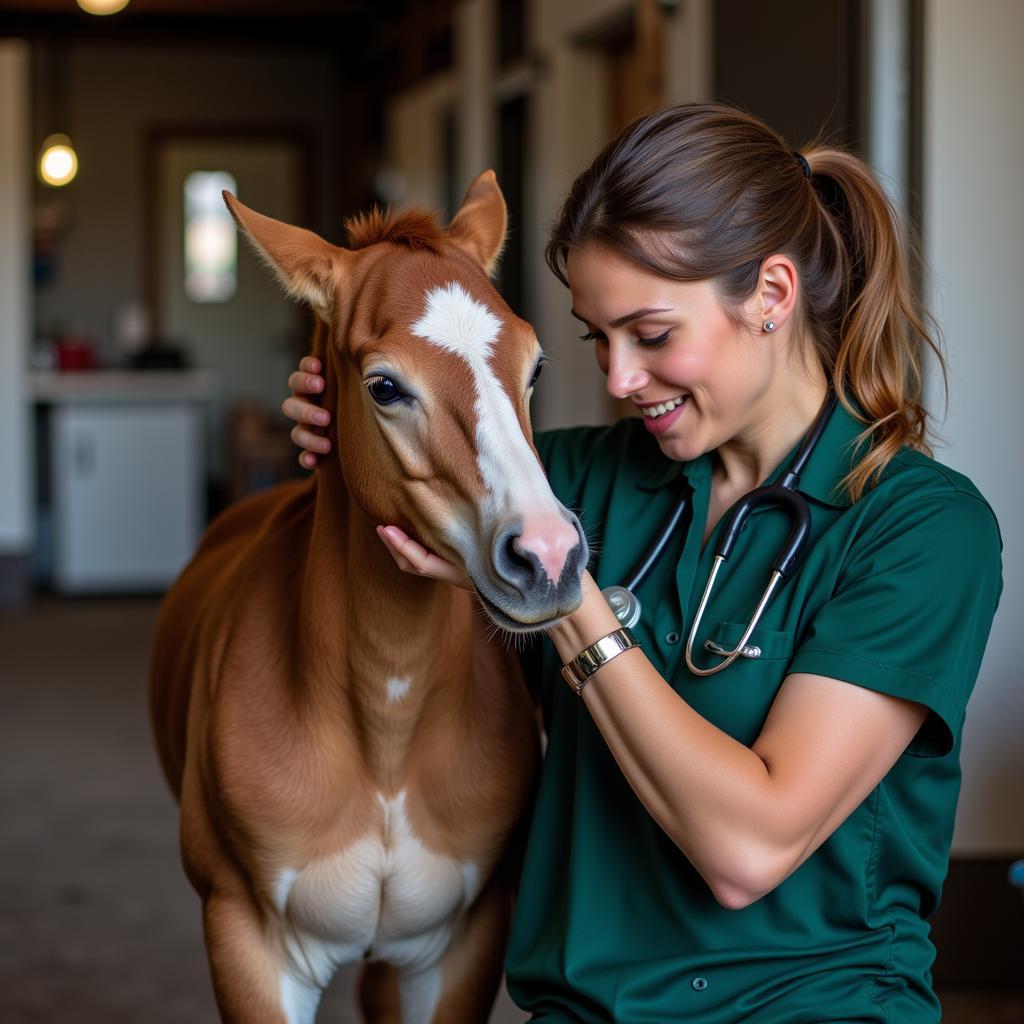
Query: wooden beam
<point x="649" y="52"/>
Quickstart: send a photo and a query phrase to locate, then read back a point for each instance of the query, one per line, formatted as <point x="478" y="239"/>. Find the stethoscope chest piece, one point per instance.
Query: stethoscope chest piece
<point x="624" y="603"/>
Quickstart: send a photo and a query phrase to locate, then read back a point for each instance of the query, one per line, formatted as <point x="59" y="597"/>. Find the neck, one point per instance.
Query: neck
<point x="385" y="645"/>
<point x="779" y="422"/>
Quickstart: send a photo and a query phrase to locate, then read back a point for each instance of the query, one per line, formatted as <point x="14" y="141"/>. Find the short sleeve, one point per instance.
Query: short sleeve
<point x="912" y="608"/>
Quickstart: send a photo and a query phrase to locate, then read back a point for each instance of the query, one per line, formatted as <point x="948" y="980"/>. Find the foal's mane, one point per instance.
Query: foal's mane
<point x="417" y="228"/>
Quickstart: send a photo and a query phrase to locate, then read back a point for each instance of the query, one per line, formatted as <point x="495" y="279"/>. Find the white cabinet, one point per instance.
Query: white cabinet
<point x="127" y="493"/>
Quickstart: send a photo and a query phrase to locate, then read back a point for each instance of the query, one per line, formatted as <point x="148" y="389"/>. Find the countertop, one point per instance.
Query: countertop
<point x="53" y="386"/>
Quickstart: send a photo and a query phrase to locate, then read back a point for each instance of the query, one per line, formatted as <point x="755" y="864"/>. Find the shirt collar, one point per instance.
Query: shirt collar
<point x="833" y="457"/>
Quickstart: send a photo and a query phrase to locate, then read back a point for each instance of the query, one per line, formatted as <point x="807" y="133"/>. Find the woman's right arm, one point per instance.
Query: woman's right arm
<point x="307" y="414"/>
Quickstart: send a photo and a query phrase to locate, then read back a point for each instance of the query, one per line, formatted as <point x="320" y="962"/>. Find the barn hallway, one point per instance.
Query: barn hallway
<point x="97" y="921"/>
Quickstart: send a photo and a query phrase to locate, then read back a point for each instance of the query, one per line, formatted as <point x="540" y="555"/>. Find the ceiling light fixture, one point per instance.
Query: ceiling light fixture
<point x="102" y="6"/>
<point x="58" y="163"/>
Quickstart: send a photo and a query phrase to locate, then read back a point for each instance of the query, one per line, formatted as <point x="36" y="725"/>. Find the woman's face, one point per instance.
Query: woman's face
<point x="661" y="341"/>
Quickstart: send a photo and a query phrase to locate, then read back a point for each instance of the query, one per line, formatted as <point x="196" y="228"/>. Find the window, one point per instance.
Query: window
<point x="211" y="246"/>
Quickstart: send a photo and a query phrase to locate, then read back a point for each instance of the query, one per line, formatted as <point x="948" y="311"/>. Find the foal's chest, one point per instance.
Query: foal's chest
<point x="384" y="896"/>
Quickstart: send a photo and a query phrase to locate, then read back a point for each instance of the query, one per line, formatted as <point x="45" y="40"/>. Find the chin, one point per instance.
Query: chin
<point x="681" y="449"/>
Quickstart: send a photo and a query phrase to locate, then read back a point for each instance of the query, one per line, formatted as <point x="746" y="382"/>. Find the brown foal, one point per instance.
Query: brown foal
<point x="350" y="752"/>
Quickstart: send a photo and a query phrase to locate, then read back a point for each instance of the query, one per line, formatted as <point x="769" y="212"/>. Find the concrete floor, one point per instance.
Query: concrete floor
<point x="97" y="921"/>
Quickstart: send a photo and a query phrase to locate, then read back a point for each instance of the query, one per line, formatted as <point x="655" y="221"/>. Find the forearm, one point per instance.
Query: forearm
<point x="714" y="797"/>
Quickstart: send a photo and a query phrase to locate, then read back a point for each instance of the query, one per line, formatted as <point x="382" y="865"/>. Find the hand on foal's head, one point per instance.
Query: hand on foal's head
<point x="409" y="555"/>
<point x="307" y="415"/>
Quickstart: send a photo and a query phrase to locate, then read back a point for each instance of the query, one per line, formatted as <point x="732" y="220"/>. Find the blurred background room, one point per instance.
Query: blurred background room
<point x="144" y="354"/>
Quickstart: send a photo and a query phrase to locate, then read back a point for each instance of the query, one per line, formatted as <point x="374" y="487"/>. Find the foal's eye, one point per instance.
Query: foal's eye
<point x="536" y="373"/>
<point x="383" y="390"/>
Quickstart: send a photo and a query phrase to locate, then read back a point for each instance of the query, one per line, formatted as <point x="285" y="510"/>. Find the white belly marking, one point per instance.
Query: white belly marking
<point x="386" y="897"/>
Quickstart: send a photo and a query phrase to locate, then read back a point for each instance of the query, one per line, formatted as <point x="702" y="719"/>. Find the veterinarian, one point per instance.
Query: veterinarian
<point x="765" y="843"/>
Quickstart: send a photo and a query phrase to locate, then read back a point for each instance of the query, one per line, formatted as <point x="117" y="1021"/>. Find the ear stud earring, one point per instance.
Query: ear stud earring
<point x="769" y="325"/>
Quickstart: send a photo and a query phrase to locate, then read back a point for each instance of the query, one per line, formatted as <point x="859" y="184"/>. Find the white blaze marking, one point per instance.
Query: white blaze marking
<point x="456" y="322"/>
<point x="397" y="689"/>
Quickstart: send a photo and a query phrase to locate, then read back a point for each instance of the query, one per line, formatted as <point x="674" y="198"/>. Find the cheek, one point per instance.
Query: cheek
<point x="601" y="355"/>
<point x="688" y="367"/>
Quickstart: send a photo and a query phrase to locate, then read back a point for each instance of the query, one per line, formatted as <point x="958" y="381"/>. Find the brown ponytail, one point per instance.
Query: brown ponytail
<point x="705" y="191"/>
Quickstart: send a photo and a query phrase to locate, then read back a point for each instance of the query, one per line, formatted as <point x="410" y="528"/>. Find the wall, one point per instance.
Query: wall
<point x="414" y="149"/>
<point x="974" y="246"/>
<point x="570" y="128"/>
<point x="564" y="136"/>
<point x="16" y="533"/>
<point x="115" y="91"/>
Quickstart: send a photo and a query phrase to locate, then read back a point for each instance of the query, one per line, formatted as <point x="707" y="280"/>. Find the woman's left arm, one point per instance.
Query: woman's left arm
<point x="746" y="817"/>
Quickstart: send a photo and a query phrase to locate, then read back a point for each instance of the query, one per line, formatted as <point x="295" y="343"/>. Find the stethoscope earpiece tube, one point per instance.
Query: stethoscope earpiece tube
<point x="786" y="561"/>
<point x="626" y="605"/>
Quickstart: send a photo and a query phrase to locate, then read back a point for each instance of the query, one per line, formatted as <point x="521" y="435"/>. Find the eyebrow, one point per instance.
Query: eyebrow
<point x="620" y="321"/>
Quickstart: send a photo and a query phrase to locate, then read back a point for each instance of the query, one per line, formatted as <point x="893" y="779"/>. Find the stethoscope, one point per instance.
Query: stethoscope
<point x="625" y="604"/>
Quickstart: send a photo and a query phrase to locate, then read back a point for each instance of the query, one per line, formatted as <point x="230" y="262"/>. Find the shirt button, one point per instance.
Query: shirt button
<point x="672" y="638"/>
<point x="699" y="984"/>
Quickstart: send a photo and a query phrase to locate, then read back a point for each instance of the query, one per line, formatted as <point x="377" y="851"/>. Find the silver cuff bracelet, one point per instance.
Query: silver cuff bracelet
<point x="578" y="671"/>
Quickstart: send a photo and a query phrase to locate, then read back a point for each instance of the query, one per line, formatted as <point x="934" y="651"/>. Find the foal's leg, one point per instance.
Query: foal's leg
<point x="469" y="971"/>
<point x="251" y="981"/>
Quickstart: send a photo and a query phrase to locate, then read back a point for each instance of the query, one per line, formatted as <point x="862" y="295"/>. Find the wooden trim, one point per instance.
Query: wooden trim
<point x="649" y="52"/>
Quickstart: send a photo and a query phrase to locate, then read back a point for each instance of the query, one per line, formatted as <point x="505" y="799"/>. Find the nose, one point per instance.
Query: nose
<point x="625" y="375"/>
<point x="538" y="552"/>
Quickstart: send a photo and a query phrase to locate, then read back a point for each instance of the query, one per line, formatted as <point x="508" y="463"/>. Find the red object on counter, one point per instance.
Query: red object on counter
<point x="75" y="354"/>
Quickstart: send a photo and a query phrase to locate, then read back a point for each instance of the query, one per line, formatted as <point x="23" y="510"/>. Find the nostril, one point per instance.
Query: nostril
<point x="516" y="554"/>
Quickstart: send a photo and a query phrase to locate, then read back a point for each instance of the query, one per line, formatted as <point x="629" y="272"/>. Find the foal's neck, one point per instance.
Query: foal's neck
<point x="396" y="644"/>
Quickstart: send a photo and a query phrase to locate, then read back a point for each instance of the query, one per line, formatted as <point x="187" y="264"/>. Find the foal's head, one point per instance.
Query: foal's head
<point x="429" y="376"/>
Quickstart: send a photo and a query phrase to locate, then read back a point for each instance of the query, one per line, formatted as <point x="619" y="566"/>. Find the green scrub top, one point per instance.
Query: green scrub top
<point x="897" y="593"/>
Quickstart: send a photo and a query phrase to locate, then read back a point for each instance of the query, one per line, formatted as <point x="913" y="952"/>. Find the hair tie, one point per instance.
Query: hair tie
<point x="803" y="163"/>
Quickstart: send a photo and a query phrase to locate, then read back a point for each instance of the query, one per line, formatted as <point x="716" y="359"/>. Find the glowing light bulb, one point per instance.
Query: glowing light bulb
<point x="102" y="6"/>
<point x="58" y="163"/>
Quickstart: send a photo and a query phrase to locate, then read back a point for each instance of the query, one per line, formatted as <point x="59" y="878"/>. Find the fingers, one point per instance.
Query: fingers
<point x="307" y="381"/>
<point x="302" y="411"/>
<point x="311" y="442"/>
<point x="302" y="383"/>
<point x="410" y="556"/>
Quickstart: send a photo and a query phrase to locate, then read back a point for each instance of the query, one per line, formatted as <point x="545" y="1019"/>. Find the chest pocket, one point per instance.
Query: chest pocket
<point x="737" y="700"/>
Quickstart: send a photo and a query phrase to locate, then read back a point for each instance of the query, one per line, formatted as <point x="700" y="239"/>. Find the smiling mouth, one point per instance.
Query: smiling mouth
<point x="652" y="412"/>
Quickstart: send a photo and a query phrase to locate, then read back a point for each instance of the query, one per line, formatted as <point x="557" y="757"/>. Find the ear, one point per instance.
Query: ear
<point x="479" y="226"/>
<point x="777" y="288"/>
<point x="306" y="265"/>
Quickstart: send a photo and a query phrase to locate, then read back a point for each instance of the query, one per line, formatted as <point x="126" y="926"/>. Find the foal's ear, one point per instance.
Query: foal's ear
<point x="306" y="265"/>
<point x="479" y="226"/>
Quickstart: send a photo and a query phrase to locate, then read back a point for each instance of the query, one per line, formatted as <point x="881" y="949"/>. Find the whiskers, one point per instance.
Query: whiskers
<point x="593" y="546"/>
<point x="510" y="640"/>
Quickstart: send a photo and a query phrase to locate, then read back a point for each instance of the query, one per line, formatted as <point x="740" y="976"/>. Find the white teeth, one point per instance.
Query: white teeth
<point x="664" y="407"/>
